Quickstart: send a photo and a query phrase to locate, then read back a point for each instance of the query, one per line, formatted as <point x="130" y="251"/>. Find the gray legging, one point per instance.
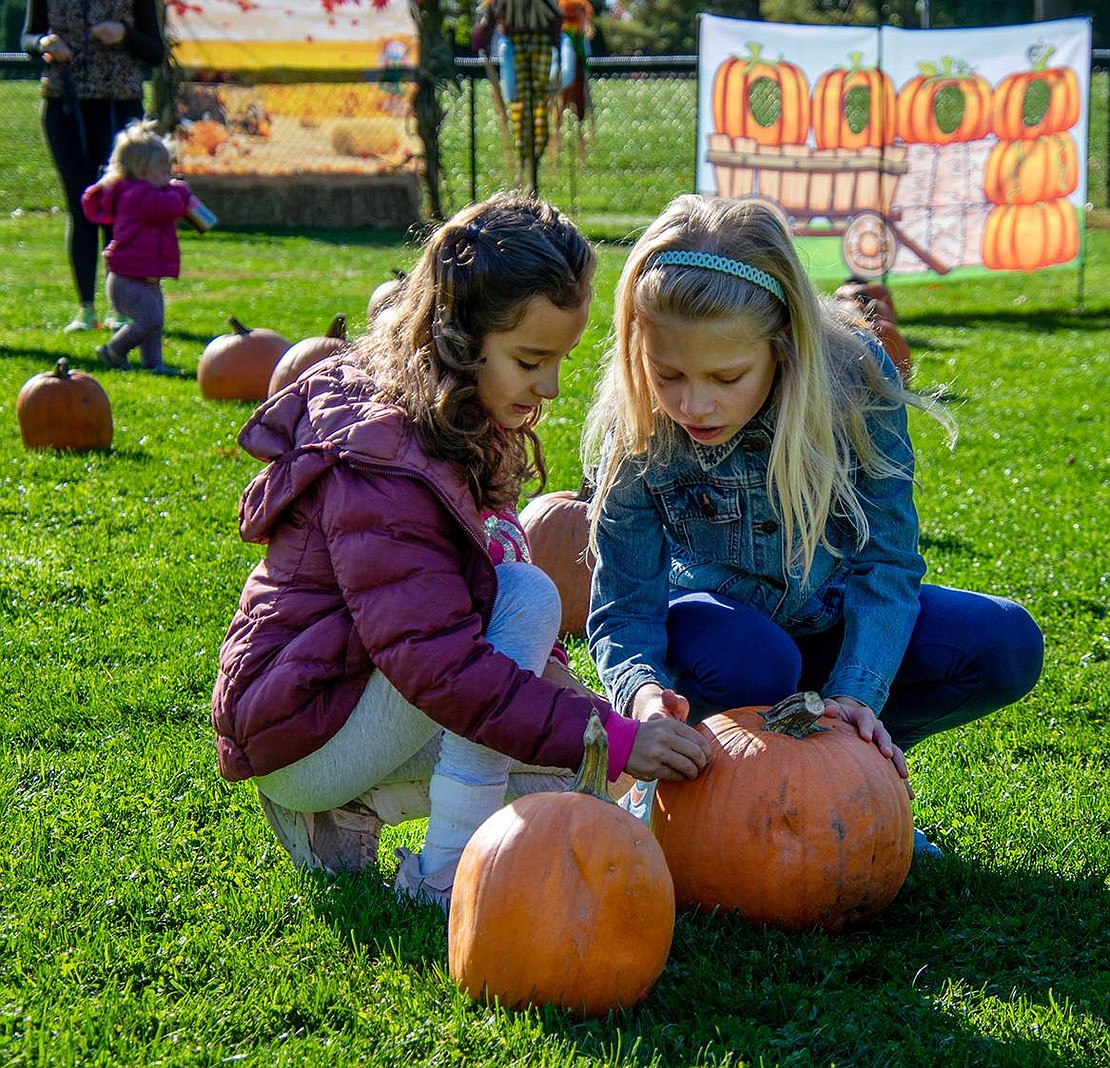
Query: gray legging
<point x="388" y="749"/>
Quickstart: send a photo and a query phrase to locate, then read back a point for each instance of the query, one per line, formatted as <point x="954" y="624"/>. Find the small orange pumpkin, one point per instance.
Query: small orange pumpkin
<point x="853" y="107"/>
<point x="65" y="410"/>
<point x="238" y="366"/>
<point x="796" y="821"/>
<point x="766" y="100"/>
<point x="1025" y="172"/>
<point x="300" y="357"/>
<point x="558" y="529"/>
<point x="944" y="105"/>
<point x="1023" y="237"/>
<point x="562" y="899"/>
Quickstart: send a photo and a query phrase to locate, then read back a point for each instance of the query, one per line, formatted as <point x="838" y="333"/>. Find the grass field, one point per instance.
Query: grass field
<point x="148" y="917"/>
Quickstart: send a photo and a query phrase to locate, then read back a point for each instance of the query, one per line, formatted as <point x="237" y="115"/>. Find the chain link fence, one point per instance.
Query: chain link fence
<point x="612" y="173"/>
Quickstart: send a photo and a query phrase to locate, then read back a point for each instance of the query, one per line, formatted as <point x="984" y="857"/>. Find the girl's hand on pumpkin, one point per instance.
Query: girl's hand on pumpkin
<point x="667" y="749"/>
<point x="871" y="729"/>
<point x="652" y="700"/>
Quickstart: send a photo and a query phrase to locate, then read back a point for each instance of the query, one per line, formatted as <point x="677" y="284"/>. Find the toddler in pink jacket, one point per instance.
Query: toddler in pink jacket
<point x="142" y="203"/>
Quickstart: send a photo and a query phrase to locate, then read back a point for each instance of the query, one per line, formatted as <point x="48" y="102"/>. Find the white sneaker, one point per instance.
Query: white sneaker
<point x="342" y="839"/>
<point x="430" y="889"/>
<point x="639" y="799"/>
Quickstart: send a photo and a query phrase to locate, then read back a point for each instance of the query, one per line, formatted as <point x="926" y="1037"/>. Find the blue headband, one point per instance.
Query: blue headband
<point x="722" y="263"/>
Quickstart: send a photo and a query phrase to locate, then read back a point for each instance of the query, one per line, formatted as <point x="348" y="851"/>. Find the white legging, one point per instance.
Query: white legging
<point x="388" y="747"/>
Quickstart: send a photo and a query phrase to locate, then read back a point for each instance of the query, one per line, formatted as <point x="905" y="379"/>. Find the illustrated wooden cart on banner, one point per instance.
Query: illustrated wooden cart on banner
<point x="853" y="189"/>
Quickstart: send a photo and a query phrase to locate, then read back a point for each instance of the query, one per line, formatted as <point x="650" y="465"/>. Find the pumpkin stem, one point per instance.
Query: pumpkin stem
<point x="237" y="326"/>
<point x="593" y="775"/>
<point x="796" y="715"/>
<point x="61" y="368"/>
<point x="338" y="328"/>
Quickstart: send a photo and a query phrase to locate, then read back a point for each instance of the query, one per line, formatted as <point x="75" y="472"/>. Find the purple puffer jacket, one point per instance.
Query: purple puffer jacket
<point x="142" y="217"/>
<point x="375" y="560"/>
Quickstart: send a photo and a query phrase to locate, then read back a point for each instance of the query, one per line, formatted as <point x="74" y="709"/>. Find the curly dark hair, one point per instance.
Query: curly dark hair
<point x="476" y="276"/>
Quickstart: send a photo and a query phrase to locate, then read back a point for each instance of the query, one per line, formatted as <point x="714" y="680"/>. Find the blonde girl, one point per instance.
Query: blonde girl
<point x="140" y="200"/>
<point x="754" y="525"/>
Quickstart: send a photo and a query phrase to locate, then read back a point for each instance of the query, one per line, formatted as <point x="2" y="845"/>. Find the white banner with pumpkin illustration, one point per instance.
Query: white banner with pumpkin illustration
<point x="261" y="95"/>
<point x="890" y="150"/>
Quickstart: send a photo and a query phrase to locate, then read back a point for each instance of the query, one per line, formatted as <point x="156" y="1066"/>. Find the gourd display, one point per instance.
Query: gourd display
<point x="562" y="899"/>
<point x="764" y="99"/>
<point x="238" y="366"/>
<point x="853" y="107"/>
<point x="65" y="410"/>
<point x="944" y="105"/>
<point x="796" y="822"/>
<point x="557" y="526"/>
<point x="300" y="357"/>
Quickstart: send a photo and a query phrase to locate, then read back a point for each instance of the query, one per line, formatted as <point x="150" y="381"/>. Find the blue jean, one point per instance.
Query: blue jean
<point x="969" y="654"/>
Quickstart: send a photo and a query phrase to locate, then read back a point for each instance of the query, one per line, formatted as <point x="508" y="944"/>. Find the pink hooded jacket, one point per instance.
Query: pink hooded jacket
<point x="142" y="217"/>
<point x="375" y="560"/>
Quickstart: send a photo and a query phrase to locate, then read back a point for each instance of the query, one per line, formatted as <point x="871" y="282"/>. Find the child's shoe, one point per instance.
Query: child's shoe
<point x="922" y="847"/>
<point x="108" y="357"/>
<point x="85" y="319"/>
<point x="165" y="370"/>
<point x="639" y="799"/>
<point x="343" y="839"/>
<point x="432" y="889"/>
<point x="114" y="321"/>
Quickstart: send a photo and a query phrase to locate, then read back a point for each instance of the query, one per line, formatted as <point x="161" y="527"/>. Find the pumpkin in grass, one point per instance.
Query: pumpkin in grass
<point x="300" y="357"/>
<point x="65" y="410"/>
<point x="558" y="529"/>
<point x="796" y="822"/>
<point x="562" y="899"/>
<point x="238" y="366"/>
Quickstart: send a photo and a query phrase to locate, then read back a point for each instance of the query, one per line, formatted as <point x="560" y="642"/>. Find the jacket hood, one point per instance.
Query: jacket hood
<point x="329" y="417"/>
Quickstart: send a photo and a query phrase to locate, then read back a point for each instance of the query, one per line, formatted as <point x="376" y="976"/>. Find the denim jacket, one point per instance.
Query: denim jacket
<point x="700" y="519"/>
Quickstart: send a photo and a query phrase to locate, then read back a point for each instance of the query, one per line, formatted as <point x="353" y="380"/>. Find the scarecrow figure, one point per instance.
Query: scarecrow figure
<point x="574" y="53"/>
<point x="524" y="34"/>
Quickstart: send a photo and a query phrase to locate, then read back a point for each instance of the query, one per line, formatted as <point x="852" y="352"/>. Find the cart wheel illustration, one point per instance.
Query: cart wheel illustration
<point x="869" y="245"/>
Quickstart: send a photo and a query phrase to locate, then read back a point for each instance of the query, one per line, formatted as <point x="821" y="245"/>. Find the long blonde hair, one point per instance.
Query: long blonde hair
<point x="828" y="380"/>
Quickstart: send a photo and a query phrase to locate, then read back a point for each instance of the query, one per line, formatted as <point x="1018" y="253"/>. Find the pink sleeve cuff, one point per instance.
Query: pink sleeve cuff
<point x="559" y="652"/>
<point x="620" y="732"/>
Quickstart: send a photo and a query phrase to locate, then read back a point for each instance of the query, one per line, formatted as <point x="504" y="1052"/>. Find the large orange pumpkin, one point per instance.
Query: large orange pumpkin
<point x="557" y="526"/>
<point x="853" y="107"/>
<point x="1025" y="172"/>
<point x="1044" y="100"/>
<point x="237" y="366"/>
<point x="562" y="899"/>
<point x="65" y="410"/>
<point x="766" y="100"/>
<point x="943" y="105"/>
<point x="300" y="357"/>
<point x="796" y="822"/>
<point x="1024" y="237"/>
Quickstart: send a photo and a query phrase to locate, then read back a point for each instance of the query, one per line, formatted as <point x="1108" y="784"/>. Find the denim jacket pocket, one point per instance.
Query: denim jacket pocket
<point x="705" y="519"/>
<point x="823" y="610"/>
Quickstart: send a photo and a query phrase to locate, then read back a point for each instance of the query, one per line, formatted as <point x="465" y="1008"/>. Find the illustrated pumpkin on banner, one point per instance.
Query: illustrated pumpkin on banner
<point x="968" y="156"/>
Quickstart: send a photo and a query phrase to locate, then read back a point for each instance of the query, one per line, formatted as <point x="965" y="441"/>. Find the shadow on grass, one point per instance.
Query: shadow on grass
<point x="1092" y="320"/>
<point x="965" y="967"/>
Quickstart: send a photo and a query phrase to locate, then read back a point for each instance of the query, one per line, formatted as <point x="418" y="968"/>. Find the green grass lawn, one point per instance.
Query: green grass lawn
<point x="148" y="917"/>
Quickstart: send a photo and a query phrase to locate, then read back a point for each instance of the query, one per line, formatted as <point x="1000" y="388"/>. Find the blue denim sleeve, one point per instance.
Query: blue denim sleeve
<point x="884" y="580"/>
<point x="627" y="624"/>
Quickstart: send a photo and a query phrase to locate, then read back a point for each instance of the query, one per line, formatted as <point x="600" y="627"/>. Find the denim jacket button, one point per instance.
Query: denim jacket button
<point x="768" y="526"/>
